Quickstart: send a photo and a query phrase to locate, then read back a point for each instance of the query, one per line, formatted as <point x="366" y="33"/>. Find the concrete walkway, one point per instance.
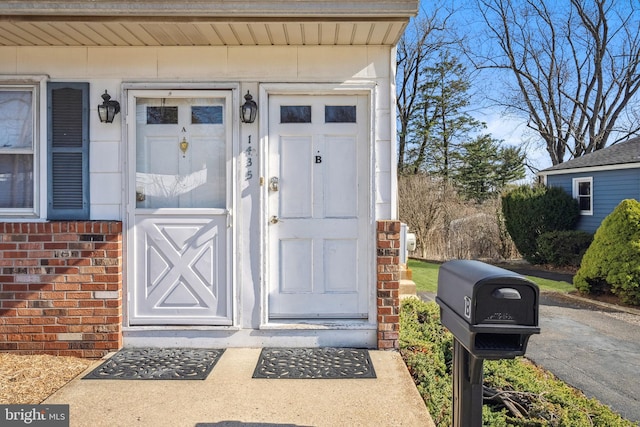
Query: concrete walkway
<point x="230" y="397"/>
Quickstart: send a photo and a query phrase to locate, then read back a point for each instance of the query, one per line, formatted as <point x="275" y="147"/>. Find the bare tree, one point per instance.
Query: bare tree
<point x="448" y="226"/>
<point x="573" y="67"/>
<point x="425" y="37"/>
<point x="421" y="206"/>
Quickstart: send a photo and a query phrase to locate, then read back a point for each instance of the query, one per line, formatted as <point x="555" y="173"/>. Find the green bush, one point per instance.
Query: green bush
<point x="550" y="401"/>
<point x="427" y="350"/>
<point x="562" y="248"/>
<point x="532" y="211"/>
<point x="612" y="262"/>
<point x="426" y="347"/>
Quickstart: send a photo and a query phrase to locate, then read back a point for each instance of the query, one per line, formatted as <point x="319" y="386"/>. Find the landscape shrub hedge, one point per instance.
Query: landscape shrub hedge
<point x="612" y="262"/>
<point x="532" y="211"/>
<point x="426" y="347"/>
<point x="563" y="248"/>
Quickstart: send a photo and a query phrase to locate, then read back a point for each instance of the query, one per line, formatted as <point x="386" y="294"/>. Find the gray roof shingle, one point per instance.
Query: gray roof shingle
<point x="618" y="154"/>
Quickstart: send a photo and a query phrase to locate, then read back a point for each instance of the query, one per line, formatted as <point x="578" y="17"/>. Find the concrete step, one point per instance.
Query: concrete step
<point x="407" y="289"/>
<point x="406" y="274"/>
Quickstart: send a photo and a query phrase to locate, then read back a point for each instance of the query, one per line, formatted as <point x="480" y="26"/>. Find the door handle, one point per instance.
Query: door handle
<point x="274" y="184"/>
<point x="274" y="219"/>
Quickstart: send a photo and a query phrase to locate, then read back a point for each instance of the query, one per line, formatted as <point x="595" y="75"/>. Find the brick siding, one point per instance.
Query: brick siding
<point x="388" y="284"/>
<point x="61" y="288"/>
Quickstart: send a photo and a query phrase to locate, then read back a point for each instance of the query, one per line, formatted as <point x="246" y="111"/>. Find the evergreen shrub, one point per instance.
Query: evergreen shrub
<point x="563" y="248"/>
<point x="612" y="262"/>
<point x="532" y="211"/>
<point x="427" y="349"/>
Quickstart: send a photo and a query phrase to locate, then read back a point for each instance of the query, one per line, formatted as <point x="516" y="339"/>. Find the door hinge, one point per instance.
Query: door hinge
<point x="229" y="218"/>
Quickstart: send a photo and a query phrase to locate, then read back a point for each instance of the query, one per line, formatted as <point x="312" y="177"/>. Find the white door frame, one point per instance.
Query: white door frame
<point x="350" y="88"/>
<point x="129" y="92"/>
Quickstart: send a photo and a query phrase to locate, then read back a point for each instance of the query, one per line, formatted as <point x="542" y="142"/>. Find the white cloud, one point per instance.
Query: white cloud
<point x="513" y="132"/>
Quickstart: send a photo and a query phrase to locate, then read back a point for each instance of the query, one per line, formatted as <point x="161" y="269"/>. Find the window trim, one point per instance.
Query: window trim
<point x="576" y="195"/>
<point x="37" y="85"/>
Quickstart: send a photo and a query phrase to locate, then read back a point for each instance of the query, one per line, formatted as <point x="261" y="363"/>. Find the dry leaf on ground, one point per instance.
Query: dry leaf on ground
<point x="29" y="379"/>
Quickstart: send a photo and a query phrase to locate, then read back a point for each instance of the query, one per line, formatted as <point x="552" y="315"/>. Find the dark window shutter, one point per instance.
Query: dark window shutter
<point x="68" y="150"/>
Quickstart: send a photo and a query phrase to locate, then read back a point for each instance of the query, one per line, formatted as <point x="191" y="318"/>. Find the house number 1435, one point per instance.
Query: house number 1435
<point x="249" y="161"/>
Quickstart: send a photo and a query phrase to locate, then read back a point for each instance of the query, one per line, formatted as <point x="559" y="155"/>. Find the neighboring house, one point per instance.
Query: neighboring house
<point x="183" y="222"/>
<point x="599" y="180"/>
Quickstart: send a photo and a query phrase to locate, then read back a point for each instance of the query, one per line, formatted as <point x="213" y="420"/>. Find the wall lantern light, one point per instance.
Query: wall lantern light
<point x="108" y="109"/>
<point x="249" y="109"/>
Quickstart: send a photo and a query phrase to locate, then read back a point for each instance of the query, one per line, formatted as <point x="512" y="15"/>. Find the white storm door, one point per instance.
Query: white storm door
<point x="318" y="207"/>
<point x="181" y="216"/>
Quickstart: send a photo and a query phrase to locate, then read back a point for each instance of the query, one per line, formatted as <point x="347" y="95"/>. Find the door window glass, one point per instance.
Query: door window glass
<point x="206" y="115"/>
<point x="295" y="114"/>
<point x="162" y="115"/>
<point x="183" y="163"/>
<point x="340" y="114"/>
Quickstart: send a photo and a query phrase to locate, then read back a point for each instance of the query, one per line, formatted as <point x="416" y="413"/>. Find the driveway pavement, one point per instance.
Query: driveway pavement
<point x="594" y="348"/>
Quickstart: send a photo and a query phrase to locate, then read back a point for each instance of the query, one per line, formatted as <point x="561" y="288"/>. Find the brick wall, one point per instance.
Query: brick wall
<point x="388" y="283"/>
<point x="61" y="287"/>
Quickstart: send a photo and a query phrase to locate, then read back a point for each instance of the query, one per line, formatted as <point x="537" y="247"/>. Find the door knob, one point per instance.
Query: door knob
<point x="274" y="219"/>
<point x="274" y="183"/>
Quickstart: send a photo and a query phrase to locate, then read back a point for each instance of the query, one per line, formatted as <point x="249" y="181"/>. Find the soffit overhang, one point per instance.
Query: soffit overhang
<point x="203" y="23"/>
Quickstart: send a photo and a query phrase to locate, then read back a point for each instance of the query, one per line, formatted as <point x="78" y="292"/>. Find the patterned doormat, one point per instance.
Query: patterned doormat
<point x="312" y="363"/>
<point x="158" y="364"/>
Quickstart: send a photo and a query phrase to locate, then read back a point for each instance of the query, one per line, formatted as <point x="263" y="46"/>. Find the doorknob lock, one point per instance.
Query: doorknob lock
<point x="274" y="184"/>
<point x="274" y="219"/>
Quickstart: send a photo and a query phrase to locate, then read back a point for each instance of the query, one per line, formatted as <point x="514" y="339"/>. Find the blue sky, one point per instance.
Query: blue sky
<point x="512" y="130"/>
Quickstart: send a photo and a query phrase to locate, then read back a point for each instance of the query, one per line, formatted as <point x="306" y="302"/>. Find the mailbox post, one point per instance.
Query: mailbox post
<point x="491" y="313"/>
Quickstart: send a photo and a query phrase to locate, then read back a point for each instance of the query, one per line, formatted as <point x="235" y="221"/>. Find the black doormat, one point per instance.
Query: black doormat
<point x="311" y="363"/>
<point x="158" y="364"/>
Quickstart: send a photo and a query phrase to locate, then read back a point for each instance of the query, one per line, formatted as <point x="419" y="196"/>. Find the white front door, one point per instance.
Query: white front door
<point x="180" y="212"/>
<point x="318" y="213"/>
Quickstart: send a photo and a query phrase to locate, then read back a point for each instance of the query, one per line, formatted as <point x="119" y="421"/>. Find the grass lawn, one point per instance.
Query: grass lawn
<point x="425" y="276"/>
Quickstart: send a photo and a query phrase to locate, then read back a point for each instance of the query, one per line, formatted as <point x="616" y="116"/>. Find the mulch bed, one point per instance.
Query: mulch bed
<point x="30" y="379"/>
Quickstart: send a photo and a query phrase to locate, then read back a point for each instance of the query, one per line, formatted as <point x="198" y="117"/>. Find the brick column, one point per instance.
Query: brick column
<point x="61" y="288"/>
<point x="388" y="283"/>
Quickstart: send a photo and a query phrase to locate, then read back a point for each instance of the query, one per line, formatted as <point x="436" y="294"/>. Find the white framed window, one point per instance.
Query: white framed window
<point x="19" y="143"/>
<point x="583" y="193"/>
<point x="44" y="149"/>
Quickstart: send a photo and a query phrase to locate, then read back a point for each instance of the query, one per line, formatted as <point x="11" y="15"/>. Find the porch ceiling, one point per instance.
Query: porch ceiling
<point x="203" y="22"/>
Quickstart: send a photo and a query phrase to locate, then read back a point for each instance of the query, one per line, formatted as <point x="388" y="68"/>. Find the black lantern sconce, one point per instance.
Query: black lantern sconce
<point x="108" y="109"/>
<point x="249" y="109"/>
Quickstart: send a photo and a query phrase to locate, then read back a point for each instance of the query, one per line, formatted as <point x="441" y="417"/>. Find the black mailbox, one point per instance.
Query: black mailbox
<point x="491" y="311"/>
